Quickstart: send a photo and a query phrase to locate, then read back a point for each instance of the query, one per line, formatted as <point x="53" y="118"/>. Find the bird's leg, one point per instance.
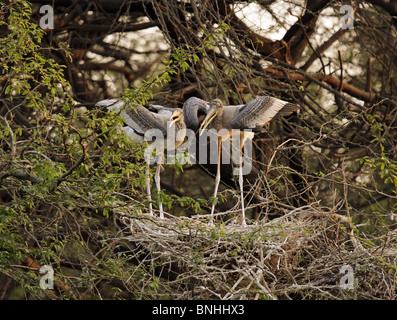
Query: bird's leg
<point x="157" y="180"/>
<point x="149" y="194"/>
<point x="240" y="180"/>
<point x="217" y="178"/>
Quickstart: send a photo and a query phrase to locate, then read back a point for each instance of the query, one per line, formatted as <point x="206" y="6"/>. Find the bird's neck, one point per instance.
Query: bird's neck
<point x="217" y="122"/>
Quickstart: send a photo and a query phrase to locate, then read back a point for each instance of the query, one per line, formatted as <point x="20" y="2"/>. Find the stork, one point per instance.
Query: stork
<point x="252" y="116"/>
<point x="140" y="121"/>
<point x="195" y="110"/>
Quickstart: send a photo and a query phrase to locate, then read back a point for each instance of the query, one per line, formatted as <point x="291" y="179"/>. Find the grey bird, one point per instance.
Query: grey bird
<point x="195" y="110"/>
<point x="140" y="121"/>
<point x="252" y="117"/>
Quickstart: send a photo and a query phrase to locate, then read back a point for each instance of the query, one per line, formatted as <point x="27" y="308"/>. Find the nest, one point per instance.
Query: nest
<point x="305" y="254"/>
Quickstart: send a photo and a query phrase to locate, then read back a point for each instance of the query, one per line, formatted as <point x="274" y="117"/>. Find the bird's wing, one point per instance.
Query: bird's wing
<point x="286" y="110"/>
<point x="192" y="108"/>
<point x="110" y="104"/>
<point x="156" y="108"/>
<point x="229" y="113"/>
<point x="260" y="111"/>
<point x="136" y="136"/>
<point x="136" y="116"/>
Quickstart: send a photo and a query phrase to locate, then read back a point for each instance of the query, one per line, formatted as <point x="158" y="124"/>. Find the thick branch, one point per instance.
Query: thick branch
<point x="335" y="37"/>
<point x="297" y="37"/>
<point x="331" y="80"/>
<point x="109" y="28"/>
<point x="257" y="42"/>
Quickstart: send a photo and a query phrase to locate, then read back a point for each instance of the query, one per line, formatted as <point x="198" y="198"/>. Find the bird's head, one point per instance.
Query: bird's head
<point x="215" y="110"/>
<point x="216" y="105"/>
<point x="177" y="116"/>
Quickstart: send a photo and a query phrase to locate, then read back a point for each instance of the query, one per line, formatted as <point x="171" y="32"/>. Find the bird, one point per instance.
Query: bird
<point x="143" y="124"/>
<point x="195" y="110"/>
<point x="241" y="121"/>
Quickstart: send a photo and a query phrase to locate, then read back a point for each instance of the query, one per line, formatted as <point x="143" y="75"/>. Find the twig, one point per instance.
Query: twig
<point x="12" y="137"/>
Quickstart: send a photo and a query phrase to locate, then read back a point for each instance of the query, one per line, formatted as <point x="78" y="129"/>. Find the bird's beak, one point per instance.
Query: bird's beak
<point x="208" y="119"/>
<point x="172" y="122"/>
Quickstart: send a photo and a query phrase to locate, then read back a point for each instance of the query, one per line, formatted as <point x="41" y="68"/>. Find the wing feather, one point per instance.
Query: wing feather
<point x="260" y="111"/>
<point x="137" y="117"/>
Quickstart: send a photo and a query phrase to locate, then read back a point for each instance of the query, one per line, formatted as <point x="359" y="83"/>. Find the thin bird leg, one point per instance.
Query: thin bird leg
<point x="157" y="179"/>
<point x="240" y="180"/>
<point x="217" y="179"/>
<point x="149" y="194"/>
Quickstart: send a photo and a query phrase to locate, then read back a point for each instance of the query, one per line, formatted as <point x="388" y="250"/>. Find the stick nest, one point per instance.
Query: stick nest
<point x="305" y="254"/>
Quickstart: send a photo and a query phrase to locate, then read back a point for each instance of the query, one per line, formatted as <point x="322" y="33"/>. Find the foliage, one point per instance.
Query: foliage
<point x="65" y="171"/>
<point x="321" y="195"/>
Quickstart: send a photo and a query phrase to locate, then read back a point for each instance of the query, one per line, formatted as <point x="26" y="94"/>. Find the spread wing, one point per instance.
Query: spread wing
<point x="161" y="110"/>
<point x="260" y="111"/>
<point x="138" y="117"/>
